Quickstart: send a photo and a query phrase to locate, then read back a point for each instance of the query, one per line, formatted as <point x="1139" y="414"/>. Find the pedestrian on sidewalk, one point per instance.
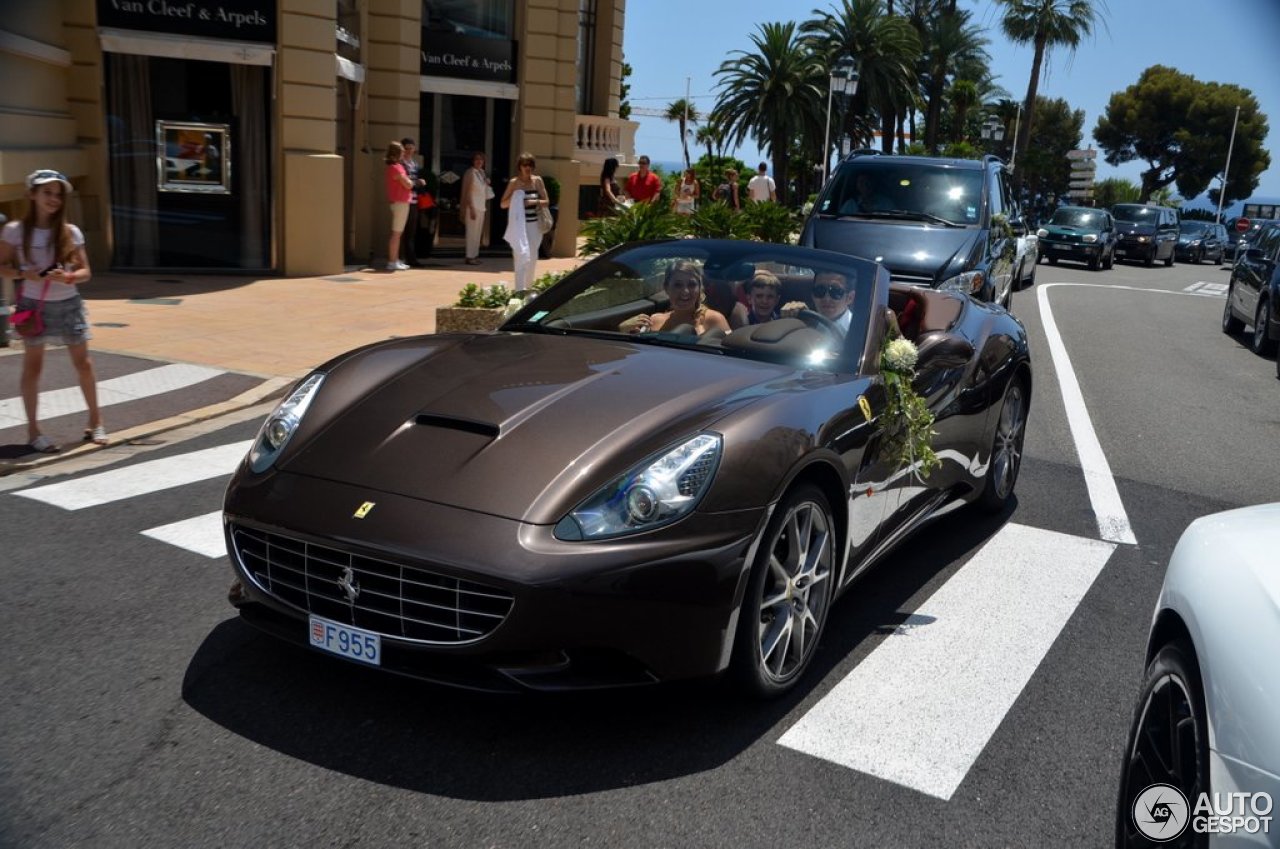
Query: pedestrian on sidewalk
<point x="409" y="243"/>
<point x="476" y="194"/>
<point x="47" y="254"/>
<point x="524" y="195"/>
<point x="399" y="193"/>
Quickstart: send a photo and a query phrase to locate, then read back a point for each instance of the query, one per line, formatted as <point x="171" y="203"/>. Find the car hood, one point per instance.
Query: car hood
<point x="907" y="249"/>
<point x="518" y="425"/>
<point x="1126" y="228"/>
<point x="1070" y="230"/>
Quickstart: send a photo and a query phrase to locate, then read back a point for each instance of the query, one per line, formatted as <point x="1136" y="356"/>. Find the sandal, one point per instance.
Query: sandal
<point x="44" y="445"/>
<point x="96" y="435"/>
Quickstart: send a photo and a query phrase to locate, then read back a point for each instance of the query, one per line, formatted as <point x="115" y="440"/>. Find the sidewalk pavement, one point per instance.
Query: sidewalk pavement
<point x="274" y="328"/>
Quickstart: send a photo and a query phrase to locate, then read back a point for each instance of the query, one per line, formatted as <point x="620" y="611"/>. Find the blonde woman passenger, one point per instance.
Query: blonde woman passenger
<point x="47" y="254"/>
<point x="684" y="287"/>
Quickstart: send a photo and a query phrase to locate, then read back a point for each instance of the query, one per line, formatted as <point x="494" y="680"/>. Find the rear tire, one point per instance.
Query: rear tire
<point x="1261" y="344"/>
<point x="789" y="594"/>
<point x="1168" y="261"/>
<point x="1110" y="261"/>
<point x="1230" y="324"/>
<point x="1006" y="449"/>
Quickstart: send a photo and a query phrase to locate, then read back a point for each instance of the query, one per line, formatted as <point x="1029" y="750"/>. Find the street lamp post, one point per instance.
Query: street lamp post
<point x="1231" y="144"/>
<point x="845" y="74"/>
<point x="992" y="129"/>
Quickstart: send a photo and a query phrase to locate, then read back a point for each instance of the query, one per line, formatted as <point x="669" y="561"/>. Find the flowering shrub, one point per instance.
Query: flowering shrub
<point x="475" y="296"/>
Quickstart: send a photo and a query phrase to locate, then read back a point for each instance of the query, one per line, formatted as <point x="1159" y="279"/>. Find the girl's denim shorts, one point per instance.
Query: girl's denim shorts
<point x="66" y="322"/>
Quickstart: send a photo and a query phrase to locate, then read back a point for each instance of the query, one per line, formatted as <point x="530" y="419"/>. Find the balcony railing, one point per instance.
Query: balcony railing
<point x="597" y="138"/>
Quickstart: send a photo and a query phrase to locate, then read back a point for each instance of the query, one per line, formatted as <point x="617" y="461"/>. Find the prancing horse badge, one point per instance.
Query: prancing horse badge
<point x="363" y="510"/>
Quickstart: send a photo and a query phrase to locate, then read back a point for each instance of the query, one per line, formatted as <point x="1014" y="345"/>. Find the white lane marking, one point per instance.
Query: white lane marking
<point x="1207" y="289"/>
<point x="201" y="534"/>
<point x="117" y="390"/>
<point x="919" y="710"/>
<point x="1108" y="509"/>
<point x="140" y="478"/>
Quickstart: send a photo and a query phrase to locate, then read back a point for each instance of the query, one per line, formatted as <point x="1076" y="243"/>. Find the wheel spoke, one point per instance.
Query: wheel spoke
<point x="779" y="633"/>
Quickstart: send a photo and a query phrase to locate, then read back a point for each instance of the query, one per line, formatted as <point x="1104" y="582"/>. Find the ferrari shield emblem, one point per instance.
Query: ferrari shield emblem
<point x="865" y="406"/>
<point x="363" y="510"/>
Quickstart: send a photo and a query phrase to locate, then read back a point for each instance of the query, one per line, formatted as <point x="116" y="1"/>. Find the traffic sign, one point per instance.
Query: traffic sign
<point x="1082" y="154"/>
<point x="1242" y="224"/>
<point x="1084" y="165"/>
<point x="1082" y="194"/>
<point x="1081" y="184"/>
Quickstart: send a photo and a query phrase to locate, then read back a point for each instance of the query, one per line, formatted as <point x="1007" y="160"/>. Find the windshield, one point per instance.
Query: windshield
<point x="735" y="298"/>
<point x="880" y="187"/>
<point x="1091" y="218"/>
<point x="1134" y="213"/>
<point x="1193" y="227"/>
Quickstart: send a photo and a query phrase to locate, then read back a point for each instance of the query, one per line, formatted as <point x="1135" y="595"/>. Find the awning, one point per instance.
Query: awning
<point x="469" y="88"/>
<point x="141" y="43"/>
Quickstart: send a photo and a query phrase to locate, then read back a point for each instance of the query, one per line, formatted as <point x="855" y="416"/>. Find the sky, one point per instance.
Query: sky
<point x="674" y="43"/>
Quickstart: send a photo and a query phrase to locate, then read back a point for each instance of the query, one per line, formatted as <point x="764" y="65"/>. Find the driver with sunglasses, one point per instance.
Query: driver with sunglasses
<point x="832" y="297"/>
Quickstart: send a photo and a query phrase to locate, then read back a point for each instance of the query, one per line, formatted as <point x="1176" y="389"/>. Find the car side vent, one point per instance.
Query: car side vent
<point x="452" y="423"/>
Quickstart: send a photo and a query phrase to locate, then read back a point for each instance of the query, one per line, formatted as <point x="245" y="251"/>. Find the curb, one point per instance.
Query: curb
<point x="245" y="399"/>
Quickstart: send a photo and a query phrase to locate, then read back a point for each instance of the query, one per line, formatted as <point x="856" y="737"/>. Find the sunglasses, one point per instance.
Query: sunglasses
<point x="824" y="291"/>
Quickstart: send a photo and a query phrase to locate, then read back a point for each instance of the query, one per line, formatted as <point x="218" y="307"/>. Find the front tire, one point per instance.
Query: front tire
<point x="1168" y="742"/>
<point x="1006" y="449"/>
<point x="1261" y="344"/>
<point x="1230" y="324"/>
<point x="785" y="608"/>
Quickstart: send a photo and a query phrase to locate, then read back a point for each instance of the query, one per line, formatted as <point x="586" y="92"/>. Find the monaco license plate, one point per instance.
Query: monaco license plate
<point x="351" y="643"/>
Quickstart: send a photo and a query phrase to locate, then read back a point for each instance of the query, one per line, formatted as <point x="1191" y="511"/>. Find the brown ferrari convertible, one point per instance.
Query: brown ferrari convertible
<point x="619" y="486"/>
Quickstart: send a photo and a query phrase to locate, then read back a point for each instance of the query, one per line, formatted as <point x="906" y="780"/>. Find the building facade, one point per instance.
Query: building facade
<point x="248" y="136"/>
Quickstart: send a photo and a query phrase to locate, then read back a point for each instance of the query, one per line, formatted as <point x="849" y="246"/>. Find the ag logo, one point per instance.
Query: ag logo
<point x="1160" y="812"/>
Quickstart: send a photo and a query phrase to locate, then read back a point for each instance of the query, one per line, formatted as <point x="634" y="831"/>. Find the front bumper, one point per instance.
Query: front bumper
<point x="1070" y="250"/>
<point x="658" y="606"/>
<point x="1132" y="248"/>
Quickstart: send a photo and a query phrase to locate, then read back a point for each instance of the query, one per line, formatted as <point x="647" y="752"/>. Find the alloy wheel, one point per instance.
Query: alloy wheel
<point x="796" y="591"/>
<point x="1006" y="455"/>
<point x="1167" y="743"/>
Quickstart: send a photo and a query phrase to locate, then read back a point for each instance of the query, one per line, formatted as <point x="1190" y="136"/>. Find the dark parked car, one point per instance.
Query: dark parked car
<point x="947" y="224"/>
<point x="1148" y="233"/>
<point x="1238" y="240"/>
<point x="1080" y="234"/>
<point x="1254" y="292"/>
<point x="559" y="504"/>
<point x="1201" y="240"/>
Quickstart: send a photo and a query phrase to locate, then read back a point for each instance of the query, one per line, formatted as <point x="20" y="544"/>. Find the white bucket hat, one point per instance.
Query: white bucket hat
<point x="46" y="175"/>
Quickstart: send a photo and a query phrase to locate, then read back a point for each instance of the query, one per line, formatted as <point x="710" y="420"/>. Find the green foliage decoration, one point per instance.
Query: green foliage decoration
<point x="635" y="223"/>
<point x="771" y="222"/>
<point x="906" y="440"/>
<point x="479" y="297"/>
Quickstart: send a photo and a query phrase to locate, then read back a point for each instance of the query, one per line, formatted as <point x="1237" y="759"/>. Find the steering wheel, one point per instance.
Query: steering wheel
<point x="818" y="321"/>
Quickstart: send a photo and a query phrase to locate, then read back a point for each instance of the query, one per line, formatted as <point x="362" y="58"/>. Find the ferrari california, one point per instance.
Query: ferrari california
<point x="616" y="487"/>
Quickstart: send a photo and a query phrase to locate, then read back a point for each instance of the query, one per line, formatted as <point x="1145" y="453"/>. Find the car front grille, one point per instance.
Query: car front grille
<point x="366" y="592"/>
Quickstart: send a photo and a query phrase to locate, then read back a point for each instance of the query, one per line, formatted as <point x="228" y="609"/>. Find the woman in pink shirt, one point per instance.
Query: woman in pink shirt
<point x="399" y="193"/>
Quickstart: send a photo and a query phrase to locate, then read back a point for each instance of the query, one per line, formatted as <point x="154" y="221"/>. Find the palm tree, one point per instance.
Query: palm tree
<point x="949" y="41"/>
<point x="710" y="134"/>
<point x="775" y="92"/>
<point x="964" y="95"/>
<point x="682" y="111"/>
<point x="886" y="49"/>
<point x="1044" y="24"/>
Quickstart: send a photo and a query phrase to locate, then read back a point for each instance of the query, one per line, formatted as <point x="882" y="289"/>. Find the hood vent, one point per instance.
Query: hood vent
<point x="464" y="425"/>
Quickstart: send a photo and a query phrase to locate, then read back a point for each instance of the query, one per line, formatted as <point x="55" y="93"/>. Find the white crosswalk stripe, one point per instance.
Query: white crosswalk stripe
<point x="920" y="709"/>
<point x="201" y="534"/>
<point x="140" y="478"/>
<point x="117" y="390"/>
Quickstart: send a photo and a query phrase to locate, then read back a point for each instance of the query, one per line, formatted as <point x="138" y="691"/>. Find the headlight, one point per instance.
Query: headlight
<point x="1042" y="233"/>
<point x="1195" y="243"/>
<point x="1089" y="237"/>
<point x="279" y="427"/>
<point x="654" y="493"/>
<point x="967" y="282"/>
<point x="1144" y="238"/>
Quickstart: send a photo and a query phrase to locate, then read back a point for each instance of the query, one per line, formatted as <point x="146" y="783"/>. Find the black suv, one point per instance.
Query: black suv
<point x="1253" y="295"/>
<point x="1146" y="232"/>
<point x="942" y="223"/>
